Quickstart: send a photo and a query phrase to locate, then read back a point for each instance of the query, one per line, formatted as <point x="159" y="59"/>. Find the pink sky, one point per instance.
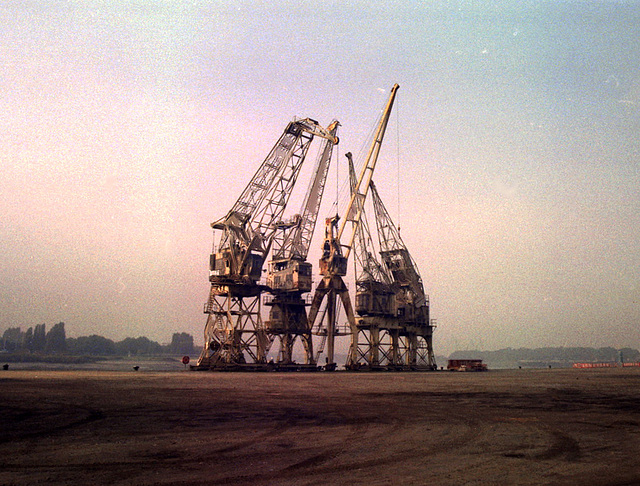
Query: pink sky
<point x="127" y="127"/>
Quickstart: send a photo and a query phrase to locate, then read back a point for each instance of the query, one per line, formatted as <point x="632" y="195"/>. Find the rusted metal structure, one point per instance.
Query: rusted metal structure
<point x="414" y="347"/>
<point x="390" y="328"/>
<point x="290" y="275"/>
<point x="394" y="331"/>
<point x="235" y="336"/>
<point x="335" y="255"/>
<point x="374" y="302"/>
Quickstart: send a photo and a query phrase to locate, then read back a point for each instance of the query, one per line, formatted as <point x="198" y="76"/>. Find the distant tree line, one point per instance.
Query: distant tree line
<point x="38" y="341"/>
<point x="556" y="355"/>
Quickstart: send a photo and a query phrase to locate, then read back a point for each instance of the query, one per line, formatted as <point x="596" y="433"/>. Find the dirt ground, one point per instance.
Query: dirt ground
<point x="539" y="427"/>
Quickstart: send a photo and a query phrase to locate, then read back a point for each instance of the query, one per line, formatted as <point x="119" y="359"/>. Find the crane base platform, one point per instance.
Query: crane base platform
<point x="391" y="368"/>
<point x="257" y="367"/>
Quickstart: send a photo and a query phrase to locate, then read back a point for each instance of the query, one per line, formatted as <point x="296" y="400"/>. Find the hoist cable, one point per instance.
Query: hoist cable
<point x="398" y="156"/>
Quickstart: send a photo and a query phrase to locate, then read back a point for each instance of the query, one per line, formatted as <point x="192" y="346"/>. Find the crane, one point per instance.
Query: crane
<point x="413" y="346"/>
<point x="373" y="280"/>
<point x="376" y="322"/>
<point x="290" y="275"/>
<point x="393" y="326"/>
<point x="234" y="324"/>
<point x="333" y="262"/>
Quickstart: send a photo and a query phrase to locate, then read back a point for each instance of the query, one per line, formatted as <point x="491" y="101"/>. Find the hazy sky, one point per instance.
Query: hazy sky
<point x="126" y="127"/>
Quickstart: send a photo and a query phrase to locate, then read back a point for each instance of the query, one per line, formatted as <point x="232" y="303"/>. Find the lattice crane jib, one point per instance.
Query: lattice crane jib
<point x="290" y="275"/>
<point x="395" y="254"/>
<point x="374" y="289"/>
<point x="412" y="303"/>
<point x="234" y="331"/>
<point x="248" y="228"/>
<point x="362" y="186"/>
<point x="296" y="237"/>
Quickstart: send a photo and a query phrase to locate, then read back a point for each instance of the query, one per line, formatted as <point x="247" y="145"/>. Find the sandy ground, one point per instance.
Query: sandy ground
<point x="519" y="427"/>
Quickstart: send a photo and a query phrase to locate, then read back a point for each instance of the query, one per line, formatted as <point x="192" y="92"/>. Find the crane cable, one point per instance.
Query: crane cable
<point x="398" y="156"/>
<point x="337" y="179"/>
<point x="343" y="189"/>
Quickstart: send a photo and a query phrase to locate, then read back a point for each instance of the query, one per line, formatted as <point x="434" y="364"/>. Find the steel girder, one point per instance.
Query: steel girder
<point x="234" y="333"/>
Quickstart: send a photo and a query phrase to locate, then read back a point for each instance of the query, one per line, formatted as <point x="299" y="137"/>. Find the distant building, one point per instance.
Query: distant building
<point x="605" y="365"/>
<point x="466" y="365"/>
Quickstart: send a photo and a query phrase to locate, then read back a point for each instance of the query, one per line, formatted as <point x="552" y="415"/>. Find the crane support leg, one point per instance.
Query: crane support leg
<point x="234" y="335"/>
<point x="333" y="288"/>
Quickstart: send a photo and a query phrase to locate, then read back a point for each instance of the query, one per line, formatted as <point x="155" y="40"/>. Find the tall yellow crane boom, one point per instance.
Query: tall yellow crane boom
<point x="362" y="186"/>
<point x="334" y="260"/>
<point x="333" y="263"/>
